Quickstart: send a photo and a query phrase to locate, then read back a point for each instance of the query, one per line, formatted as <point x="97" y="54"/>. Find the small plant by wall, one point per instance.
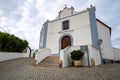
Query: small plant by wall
<point x="77" y="55"/>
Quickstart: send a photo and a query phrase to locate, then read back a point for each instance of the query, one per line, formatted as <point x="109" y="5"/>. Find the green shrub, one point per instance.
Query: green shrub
<point x="11" y="43"/>
<point x="76" y="54"/>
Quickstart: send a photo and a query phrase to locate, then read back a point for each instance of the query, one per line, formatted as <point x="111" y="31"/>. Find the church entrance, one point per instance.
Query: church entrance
<point x="66" y="41"/>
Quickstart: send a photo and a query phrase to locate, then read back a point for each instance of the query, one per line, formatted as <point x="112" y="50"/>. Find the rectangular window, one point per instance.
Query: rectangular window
<point x="65" y="25"/>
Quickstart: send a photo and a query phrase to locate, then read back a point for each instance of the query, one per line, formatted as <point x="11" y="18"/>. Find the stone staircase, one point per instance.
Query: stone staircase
<point x="50" y="61"/>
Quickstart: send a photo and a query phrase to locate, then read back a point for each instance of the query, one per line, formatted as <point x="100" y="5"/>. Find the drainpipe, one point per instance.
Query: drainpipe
<point x="88" y="58"/>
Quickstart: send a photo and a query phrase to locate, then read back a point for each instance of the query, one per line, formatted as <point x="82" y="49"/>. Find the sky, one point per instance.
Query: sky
<point x="24" y="18"/>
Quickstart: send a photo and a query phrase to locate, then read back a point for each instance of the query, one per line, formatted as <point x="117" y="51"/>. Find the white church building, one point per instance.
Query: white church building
<point x="72" y="30"/>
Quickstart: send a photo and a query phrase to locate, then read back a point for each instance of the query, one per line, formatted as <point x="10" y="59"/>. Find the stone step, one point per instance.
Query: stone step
<point x="45" y="64"/>
<point x="53" y="57"/>
<point x="49" y="66"/>
<point x="50" y="61"/>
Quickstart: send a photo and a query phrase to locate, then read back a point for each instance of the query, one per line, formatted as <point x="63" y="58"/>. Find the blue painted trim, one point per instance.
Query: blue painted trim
<point x="41" y="37"/>
<point x="45" y="34"/>
<point x="66" y="34"/>
<point x="40" y="40"/>
<point x="55" y="54"/>
<point x="93" y="27"/>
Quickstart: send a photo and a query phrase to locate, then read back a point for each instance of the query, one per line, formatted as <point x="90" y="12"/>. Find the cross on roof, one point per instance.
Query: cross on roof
<point x="65" y="5"/>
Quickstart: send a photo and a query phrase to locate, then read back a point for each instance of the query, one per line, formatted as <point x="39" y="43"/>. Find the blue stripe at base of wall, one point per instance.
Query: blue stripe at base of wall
<point x="53" y="54"/>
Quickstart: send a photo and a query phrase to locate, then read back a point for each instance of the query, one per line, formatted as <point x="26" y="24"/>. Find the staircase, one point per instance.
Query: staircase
<point x="50" y="61"/>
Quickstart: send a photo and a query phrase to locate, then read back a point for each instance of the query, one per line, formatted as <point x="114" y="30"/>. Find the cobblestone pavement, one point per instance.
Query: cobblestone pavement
<point x="20" y="69"/>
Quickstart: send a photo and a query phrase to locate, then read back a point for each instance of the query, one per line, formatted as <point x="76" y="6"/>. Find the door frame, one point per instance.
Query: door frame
<point x="61" y="37"/>
<point x="65" y="42"/>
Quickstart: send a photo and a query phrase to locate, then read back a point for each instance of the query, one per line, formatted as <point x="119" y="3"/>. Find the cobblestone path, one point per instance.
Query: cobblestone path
<point x="20" y="69"/>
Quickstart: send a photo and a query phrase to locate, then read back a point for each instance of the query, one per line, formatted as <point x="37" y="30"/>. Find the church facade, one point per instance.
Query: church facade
<point x="71" y="28"/>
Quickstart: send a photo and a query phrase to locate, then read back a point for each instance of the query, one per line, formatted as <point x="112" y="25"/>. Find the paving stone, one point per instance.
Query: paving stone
<point x="21" y="69"/>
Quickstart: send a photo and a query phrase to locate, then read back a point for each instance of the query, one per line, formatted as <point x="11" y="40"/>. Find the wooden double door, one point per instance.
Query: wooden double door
<point x="66" y="41"/>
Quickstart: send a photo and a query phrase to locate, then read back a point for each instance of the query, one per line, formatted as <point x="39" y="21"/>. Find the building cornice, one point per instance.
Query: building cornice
<point x="69" y="16"/>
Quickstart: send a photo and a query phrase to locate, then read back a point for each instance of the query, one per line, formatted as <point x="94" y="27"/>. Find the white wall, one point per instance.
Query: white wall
<point x="116" y="53"/>
<point x="79" y="29"/>
<point x="11" y="55"/>
<point x="106" y="47"/>
<point x="94" y="54"/>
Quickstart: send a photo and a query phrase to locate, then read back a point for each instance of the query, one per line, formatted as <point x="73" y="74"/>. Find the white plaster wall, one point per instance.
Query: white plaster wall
<point x="95" y="54"/>
<point x="79" y="29"/>
<point x="82" y="36"/>
<point x="11" y="55"/>
<point x="52" y="42"/>
<point x="116" y="53"/>
<point x="80" y="20"/>
<point x="106" y="47"/>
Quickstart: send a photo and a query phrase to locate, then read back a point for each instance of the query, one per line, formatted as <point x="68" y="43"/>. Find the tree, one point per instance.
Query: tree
<point x="11" y="43"/>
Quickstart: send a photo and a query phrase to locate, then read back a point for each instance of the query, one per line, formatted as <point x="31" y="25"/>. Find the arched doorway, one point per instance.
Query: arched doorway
<point x="65" y="41"/>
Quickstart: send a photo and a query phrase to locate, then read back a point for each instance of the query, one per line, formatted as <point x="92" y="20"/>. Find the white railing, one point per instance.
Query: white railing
<point x="65" y="57"/>
<point x="41" y="54"/>
<point x="12" y="55"/>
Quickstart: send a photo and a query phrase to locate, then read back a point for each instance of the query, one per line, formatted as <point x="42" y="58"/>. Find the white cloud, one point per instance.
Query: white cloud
<point x="25" y="26"/>
<point x="24" y="18"/>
